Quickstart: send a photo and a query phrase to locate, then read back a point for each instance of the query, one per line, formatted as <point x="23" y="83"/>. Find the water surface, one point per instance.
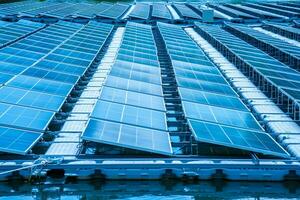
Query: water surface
<point x="151" y="190"/>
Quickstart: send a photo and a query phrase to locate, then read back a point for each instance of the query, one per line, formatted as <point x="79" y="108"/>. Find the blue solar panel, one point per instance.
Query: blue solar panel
<point x="220" y="115"/>
<point x="114" y="12"/>
<point x="51" y="75"/>
<point x="137" y="67"/>
<point x="161" y="11"/>
<point x="185" y="11"/>
<point x="140" y="11"/>
<point x="132" y="98"/>
<point x="24" y="117"/>
<point x="135" y="86"/>
<point x="128" y="136"/>
<point x="41" y="85"/>
<point x="205" y="86"/>
<point x="249" y="140"/>
<point x="17" y="141"/>
<point x="31" y="99"/>
<point x="212" y="99"/>
<point x="130" y="115"/>
<point x="135" y="75"/>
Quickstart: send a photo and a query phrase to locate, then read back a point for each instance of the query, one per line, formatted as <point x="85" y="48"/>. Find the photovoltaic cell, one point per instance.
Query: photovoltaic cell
<point x="17" y="141"/>
<point x="127" y="136"/>
<point x="131" y="115"/>
<point x="132" y="98"/>
<point x="249" y="140"/>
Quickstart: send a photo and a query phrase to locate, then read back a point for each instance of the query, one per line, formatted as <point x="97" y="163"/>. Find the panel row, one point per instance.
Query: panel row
<point x="209" y="103"/>
<point x="130" y="111"/>
<point x="42" y="69"/>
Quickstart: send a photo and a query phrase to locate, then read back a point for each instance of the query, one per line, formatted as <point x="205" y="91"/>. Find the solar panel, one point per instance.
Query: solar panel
<point x="161" y="11"/>
<point x="24" y="117"/>
<point x="135" y="75"/>
<point x="212" y="99"/>
<point x="114" y="12"/>
<point x="249" y="140"/>
<point x="13" y="31"/>
<point x="127" y="136"/>
<point x="131" y="115"/>
<point x="120" y="64"/>
<point x="31" y="99"/>
<point x="17" y="141"/>
<point x="93" y="10"/>
<point x="215" y="78"/>
<point x="185" y="11"/>
<point x="51" y="75"/>
<point x="132" y="85"/>
<point x="140" y="11"/>
<point x="220" y="115"/>
<point x="132" y="98"/>
<point x="41" y="85"/>
<point x="205" y="86"/>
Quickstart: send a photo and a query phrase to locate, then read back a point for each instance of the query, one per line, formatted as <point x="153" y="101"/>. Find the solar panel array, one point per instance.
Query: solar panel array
<point x="185" y="11"/>
<point x="231" y="12"/>
<point x="273" y="10"/>
<point x="284" y="30"/>
<point x="280" y="45"/>
<point x="280" y="76"/>
<point x="208" y="100"/>
<point x="253" y="11"/>
<point x="160" y="11"/>
<point x="130" y="111"/>
<point x="140" y="11"/>
<point x="39" y="81"/>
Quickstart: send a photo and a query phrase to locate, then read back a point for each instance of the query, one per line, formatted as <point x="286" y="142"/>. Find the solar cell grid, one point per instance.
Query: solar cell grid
<point x="220" y="115"/>
<point x="131" y="115"/>
<point x="185" y="11"/>
<point x="24" y="117"/>
<point x="31" y="99"/>
<point x="140" y="11"/>
<point x="115" y="11"/>
<point x="128" y="136"/>
<point x="132" y="98"/>
<point x="17" y="141"/>
<point x="237" y="138"/>
<point x="160" y="10"/>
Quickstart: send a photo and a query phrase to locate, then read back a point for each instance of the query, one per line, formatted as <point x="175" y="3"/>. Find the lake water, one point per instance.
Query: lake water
<point x="97" y="1"/>
<point x="151" y="190"/>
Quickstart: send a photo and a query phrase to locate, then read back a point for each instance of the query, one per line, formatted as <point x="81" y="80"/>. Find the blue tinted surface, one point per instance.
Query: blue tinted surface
<point x="31" y="98"/>
<point x="128" y="136"/>
<point x="220" y="115"/>
<point x="41" y="85"/>
<point x="235" y="137"/>
<point x="24" y="117"/>
<point x="132" y="98"/>
<point x="17" y="141"/>
<point x="129" y="115"/>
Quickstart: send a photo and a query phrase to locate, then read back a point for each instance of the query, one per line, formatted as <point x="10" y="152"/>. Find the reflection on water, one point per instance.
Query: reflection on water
<point x="97" y="1"/>
<point x="151" y="190"/>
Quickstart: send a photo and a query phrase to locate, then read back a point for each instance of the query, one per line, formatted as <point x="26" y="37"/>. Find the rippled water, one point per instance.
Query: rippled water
<point x="95" y="1"/>
<point x="151" y="190"/>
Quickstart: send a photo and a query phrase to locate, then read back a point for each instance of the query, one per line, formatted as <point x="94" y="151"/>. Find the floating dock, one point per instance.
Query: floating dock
<point x="150" y="91"/>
